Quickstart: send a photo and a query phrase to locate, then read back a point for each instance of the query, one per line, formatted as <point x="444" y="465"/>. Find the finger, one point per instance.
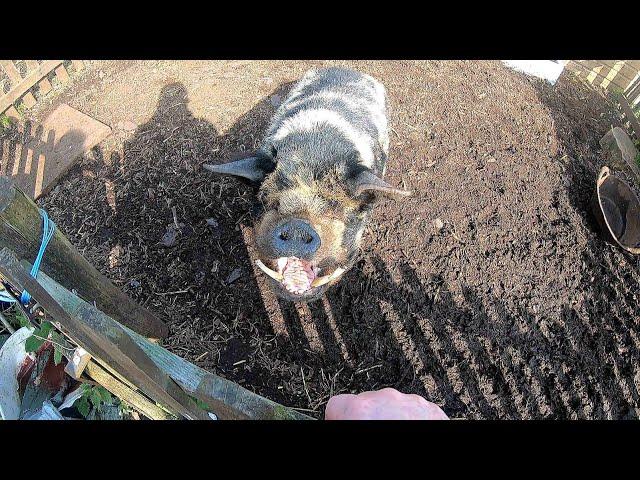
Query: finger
<point x="338" y="406"/>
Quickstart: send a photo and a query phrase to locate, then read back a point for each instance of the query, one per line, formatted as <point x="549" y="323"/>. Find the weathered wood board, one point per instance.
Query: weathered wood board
<point x="227" y="399"/>
<point x="49" y="150"/>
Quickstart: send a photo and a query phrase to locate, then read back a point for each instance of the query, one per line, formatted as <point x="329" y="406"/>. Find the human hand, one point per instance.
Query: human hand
<point x="385" y="404"/>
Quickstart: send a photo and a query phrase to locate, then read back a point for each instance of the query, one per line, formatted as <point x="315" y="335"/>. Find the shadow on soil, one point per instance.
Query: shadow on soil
<point x="33" y="158"/>
<point x="600" y="332"/>
<point x="174" y="238"/>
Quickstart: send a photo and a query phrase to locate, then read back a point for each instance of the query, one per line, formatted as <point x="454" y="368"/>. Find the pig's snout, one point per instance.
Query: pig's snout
<point x="295" y="238"/>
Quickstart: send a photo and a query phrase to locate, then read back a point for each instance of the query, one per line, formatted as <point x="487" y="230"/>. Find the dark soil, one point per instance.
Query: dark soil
<point x="514" y="308"/>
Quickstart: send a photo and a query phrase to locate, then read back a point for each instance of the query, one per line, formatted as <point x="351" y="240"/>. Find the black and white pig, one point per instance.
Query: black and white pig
<point x="320" y="170"/>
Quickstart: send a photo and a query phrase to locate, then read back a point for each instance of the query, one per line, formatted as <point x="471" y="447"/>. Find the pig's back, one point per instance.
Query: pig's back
<point x="352" y="103"/>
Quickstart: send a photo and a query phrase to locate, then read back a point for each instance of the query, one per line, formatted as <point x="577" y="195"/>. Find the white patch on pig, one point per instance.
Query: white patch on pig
<point x="295" y="92"/>
<point x="358" y="237"/>
<point x="311" y="119"/>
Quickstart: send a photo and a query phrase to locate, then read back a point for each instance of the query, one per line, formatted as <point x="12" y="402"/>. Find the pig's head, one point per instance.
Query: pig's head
<point x="314" y="216"/>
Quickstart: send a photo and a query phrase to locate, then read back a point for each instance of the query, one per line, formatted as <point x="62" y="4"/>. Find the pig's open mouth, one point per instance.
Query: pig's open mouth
<point x="298" y="276"/>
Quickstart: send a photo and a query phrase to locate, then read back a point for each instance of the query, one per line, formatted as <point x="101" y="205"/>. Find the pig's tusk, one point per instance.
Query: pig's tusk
<point x="318" y="282"/>
<point x="275" y="275"/>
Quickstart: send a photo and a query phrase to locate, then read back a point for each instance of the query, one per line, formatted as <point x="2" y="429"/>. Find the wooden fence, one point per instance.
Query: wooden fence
<point x="617" y="76"/>
<point x="23" y="81"/>
<point x="622" y="76"/>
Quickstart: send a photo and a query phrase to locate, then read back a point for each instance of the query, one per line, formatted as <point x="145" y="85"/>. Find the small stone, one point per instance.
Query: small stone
<point x="134" y="283"/>
<point x="276" y="100"/>
<point x="215" y="266"/>
<point x="169" y="238"/>
<point x="439" y="224"/>
<point x="234" y="275"/>
<point x="212" y="222"/>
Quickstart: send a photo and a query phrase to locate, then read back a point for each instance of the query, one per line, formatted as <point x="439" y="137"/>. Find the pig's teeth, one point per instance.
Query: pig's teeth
<point x="275" y="275"/>
<point x="319" y="281"/>
<point x="282" y="263"/>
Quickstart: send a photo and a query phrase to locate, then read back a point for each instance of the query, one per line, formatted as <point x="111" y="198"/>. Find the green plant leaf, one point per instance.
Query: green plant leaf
<point x="57" y="354"/>
<point x="95" y="397"/>
<point x="105" y="395"/>
<point x="45" y="328"/>
<point x="32" y="344"/>
<point x="82" y="404"/>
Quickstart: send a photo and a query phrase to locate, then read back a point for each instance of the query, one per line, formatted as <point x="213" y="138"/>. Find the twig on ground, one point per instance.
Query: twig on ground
<point x="304" y="382"/>
<point x="175" y="217"/>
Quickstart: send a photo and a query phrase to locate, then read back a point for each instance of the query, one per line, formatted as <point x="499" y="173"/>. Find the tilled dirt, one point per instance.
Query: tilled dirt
<point x="489" y="292"/>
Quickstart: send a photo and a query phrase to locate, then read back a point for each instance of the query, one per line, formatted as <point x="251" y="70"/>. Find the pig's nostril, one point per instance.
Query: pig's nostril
<point x="295" y="238"/>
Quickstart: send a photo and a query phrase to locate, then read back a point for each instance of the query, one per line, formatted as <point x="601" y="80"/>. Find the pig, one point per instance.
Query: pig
<point x="320" y="170"/>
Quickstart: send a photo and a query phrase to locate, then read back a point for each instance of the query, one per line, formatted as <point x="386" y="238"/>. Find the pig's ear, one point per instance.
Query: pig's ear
<point x="251" y="168"/>
<point x="367" y="181"/>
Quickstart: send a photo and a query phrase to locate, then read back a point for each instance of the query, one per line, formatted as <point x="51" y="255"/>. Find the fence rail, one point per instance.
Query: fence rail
<point x="622" y="76"/>
<point x="23" y="81"/>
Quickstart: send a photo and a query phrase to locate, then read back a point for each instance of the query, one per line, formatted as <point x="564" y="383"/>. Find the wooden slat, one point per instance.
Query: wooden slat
<point x="635" y="84"/>
<point x="596" y="72"/>
<point x="628" y="112"/>
<point x="11" y="112"/>
<point x="125" y="393"/>
<point x="44" y="86"/>
<point x="28" y="100"/>
<point x="31" y="65"/>
<point x="612" y="75"/>
<point x="633" y="91"/>
<point x="61" y="73"/>
<point x="29" y="81"/>
<point x="11" y="71"/>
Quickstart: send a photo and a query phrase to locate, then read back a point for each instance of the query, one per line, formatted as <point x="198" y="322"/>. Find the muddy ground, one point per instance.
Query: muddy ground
<point x="515" y="308"/>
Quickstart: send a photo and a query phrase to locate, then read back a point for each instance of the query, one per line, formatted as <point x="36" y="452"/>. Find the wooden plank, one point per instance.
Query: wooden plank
<point x="44" y="86"/>
<point x="28" y="100"/>
<point x="11" y="71"/>
<point x="21" y="231"/>
<point x="596" y="73"/>
<point x="633" y="91"/>
<point x="61" y="73"/>
<point x="31" y="65"/>
<point x="611" y="76"/>
<point x="227" y="400"/>
<point x="104" y="339"/>
<point x="632" y="119"/>
<point x="11" y="112"/>
<point x="125" y="393"/>
<point x="29" y="81"/>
